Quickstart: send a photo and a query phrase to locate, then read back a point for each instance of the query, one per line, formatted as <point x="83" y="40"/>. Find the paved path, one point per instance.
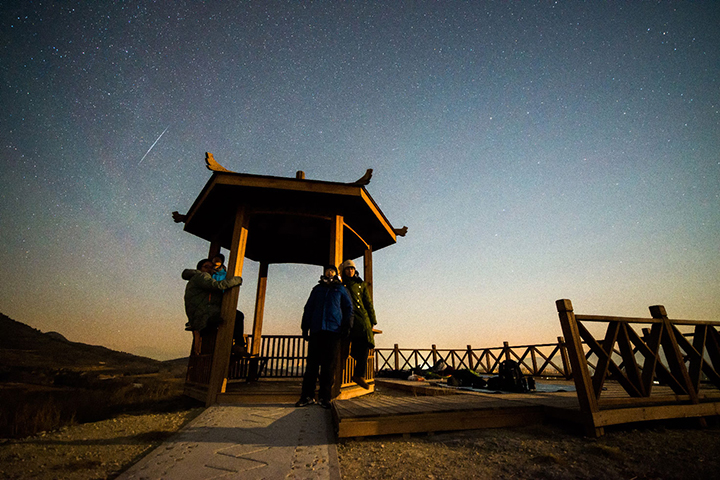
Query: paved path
<point x="246" y="442"/>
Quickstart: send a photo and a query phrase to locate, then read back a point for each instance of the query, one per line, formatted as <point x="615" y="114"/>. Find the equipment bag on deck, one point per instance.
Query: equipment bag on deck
<point x="511" y="377"/>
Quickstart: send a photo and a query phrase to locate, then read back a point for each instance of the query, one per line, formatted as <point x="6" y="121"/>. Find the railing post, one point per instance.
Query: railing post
<point x="534" y="360"/>
<point x="564" y="357"/>
<point x="470" y="357"/>
<point x="506" y="350"/>
<point x="396" y="353"/>
<point x="581" y="375"/>
<point x="434" y="354"/>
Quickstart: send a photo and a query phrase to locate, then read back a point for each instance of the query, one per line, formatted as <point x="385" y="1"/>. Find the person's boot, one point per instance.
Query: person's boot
<point x="305" y="401"/>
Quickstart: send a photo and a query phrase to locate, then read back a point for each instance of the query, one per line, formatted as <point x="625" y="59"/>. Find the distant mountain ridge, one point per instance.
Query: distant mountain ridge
<point x="22" y="346"/>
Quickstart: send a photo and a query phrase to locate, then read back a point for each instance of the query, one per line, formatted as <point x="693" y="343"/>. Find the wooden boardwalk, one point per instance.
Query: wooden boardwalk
<point x="428" y="408"/>
<point x="443" y="409"/>
<point x="404" y="407"/>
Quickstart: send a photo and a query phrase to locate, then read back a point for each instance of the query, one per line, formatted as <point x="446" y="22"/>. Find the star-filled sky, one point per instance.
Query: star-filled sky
<point x="535" y="150"/>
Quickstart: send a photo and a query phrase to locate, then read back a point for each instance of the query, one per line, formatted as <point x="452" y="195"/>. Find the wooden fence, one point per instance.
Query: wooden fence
<point x="542" y="360"/>
<point x="283" y="356"/>
<point x="664" y="372"/>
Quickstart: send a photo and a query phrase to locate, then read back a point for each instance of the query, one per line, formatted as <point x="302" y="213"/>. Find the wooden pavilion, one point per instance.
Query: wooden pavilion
<point x="276" y="220"/>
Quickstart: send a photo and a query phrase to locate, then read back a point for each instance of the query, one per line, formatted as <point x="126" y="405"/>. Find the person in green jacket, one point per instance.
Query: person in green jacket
<point x="203" y="299"/>
<point x="362" y="337"/>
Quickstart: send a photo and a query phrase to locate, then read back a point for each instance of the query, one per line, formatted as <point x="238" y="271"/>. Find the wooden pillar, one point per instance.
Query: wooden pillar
<point x="214" y="248"/>
<point x="259" y="308"/>
<point x="336" y="258"/>
<point x="336" y="241"/>
<point x="223" y="344"/>
<point x="368" y="270"/>
<point x="581" y="375"/>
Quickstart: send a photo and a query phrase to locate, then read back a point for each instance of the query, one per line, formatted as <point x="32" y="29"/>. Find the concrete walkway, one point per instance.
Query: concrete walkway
<point x="275" y="441"/>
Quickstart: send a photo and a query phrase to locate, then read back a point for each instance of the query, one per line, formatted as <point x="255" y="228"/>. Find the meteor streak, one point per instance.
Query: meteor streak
<point x="151" y="146"/>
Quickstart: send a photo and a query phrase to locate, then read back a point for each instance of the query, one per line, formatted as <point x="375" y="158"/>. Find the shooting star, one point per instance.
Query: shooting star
<point x="151" y="146"/>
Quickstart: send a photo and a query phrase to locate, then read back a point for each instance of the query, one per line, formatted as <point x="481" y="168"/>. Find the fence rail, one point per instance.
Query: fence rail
<point x="281" y="356"/>
<point x="542" y="360"/>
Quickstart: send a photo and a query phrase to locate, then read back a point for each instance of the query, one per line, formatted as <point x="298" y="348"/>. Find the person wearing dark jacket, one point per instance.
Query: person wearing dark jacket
<point x="362" y="337"/>
<point x="203" y="299"/>
<point x="327" y="318"/>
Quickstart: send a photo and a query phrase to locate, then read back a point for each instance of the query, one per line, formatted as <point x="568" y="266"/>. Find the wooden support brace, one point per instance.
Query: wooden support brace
<point x="674" y="357"/>
<point x="223" y="344"/>
<point x="628" y="355"/>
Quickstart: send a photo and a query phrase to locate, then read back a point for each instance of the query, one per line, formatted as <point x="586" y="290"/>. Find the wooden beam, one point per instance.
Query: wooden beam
<point x="336" y="241"/>
<point x="223" y="344"/>
<point x="368" y="270"/>
<point x="564" y="357"/>
<point x="660" y="412"/>
<point x="259" y="308"/>
<point x="675" y="359"/>
<point x="336" y="258"/>
<point x="628" y="356"/>
<point x="605" y="358"/>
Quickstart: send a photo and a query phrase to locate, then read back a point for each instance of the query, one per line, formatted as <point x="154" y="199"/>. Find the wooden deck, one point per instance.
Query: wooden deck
<point x="404" y="407"/>
<point x="429" y="408"/>
<point x="271" y="390"/>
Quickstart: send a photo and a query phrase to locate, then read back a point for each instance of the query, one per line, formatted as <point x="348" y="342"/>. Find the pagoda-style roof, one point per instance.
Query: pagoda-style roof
<point x="289" y="218"/>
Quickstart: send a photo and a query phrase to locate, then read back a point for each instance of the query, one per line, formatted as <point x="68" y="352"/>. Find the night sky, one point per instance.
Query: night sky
<point x="535" y="150"/>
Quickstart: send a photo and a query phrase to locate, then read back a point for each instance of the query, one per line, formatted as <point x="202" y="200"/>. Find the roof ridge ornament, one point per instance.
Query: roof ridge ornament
<point x="211" y="164"/>
<point x="365" y="179"/>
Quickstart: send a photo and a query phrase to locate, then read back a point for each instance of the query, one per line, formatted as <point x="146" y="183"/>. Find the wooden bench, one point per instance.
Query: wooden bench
<point x="664" y="373"/>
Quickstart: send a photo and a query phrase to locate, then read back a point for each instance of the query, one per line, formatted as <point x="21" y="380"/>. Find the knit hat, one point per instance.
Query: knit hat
<point x="330" y="267"/>
<point x="347" y="264"/>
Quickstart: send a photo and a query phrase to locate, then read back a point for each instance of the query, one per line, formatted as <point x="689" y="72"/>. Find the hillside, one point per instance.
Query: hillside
<point x="23" y="348"/>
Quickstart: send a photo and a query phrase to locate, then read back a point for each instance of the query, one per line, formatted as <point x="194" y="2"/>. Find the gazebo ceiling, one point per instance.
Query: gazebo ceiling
<point x="290" y="219"/>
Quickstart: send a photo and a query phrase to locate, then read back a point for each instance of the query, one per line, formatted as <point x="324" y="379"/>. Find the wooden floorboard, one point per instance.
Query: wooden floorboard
<point x="383" y="415"/>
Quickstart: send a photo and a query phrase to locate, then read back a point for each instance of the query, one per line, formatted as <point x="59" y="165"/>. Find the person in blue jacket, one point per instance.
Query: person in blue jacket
<point x="219" y="266"/>
<point x="327" y="319"/>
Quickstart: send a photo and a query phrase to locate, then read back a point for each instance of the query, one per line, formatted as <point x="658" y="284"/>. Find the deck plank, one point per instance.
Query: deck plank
<point x="429" y="408"/>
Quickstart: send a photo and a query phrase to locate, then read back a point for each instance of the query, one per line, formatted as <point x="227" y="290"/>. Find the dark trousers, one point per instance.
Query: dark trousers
<point x="323" y="350"/>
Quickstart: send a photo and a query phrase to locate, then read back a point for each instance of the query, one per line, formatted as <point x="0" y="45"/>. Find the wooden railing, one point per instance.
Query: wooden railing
<point x="281" y="356"/>
<point x="542" y="360"/>
<point x="642" y="363"/>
